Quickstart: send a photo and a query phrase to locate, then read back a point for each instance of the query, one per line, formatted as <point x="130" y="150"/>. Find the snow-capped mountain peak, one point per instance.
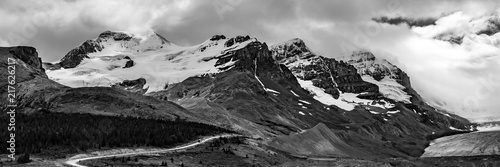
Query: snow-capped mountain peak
<point x="114" y="57"/>
<point x="292" y="47"/>
<point x="127" y="42"/>
<point x="362" y="55"/>
<point x="388" y="77"/>
<point x="368" y="64"/>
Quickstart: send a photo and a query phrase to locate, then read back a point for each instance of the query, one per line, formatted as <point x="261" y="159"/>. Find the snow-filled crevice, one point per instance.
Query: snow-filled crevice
<point x="256" y="77"/>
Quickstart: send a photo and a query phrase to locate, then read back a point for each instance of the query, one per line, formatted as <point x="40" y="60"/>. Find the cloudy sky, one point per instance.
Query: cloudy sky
<point x="462" y="77"/>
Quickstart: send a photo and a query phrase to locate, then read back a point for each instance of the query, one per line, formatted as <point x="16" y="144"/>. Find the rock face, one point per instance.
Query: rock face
<point x="75" y="56"/>
<point x="29" y="56"/>
<point x="391" y="80"/>
<point x="327" y="73"/>
<point x="135" y="86"/>
<point x="29" y="75"/>
<point x="377" y="80"/>
<point x="129" y="63"/>
<point x="366" y="64"/>
<point x="117" y="36"/>
<point x="237" y="39"/>
<point x="242" y="96"/>
<point x="217" y="37"/>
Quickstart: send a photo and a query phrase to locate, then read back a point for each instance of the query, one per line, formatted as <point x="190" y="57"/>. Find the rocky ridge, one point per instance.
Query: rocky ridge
<point x="327" y="73"/>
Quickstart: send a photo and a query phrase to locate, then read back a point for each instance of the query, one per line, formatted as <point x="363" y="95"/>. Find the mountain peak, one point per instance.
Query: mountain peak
<point x="292" y="42"/>
<point x="217" y="37"/>
<point x="362" y="55"/>
<point x="296" y="41"/>
<point x="115" y="41"/>
<point x="133" y="42"/>
<point x="126" y="36"/>
<point x="118" y="36"/>
<point x="292" y="47"/>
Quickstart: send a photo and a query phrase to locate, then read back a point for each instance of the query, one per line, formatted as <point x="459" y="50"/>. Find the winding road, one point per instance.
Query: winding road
<point x="74" y="162"/>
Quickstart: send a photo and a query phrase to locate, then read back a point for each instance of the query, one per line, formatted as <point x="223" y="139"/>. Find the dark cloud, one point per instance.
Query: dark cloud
<point x="412" y="22"/>
<point x="492" y="28"/>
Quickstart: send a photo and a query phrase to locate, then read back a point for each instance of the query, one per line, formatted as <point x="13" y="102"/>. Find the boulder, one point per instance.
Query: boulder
<point x="129" y="64"/>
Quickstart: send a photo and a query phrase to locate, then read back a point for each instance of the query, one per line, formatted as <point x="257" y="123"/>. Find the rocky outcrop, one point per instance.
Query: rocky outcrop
<point x="75" y="56"/>
<point x="135" y="86"/>
<point x="217" y="37"/>
<point x="27" y="63"/>
<point x="117" y="36"/>
<point x="129" y="62"/>
<point x="50" y="66"/>
<point x="29" y="75"/>
<point x="237" y="39"/>
<point x="245" y="57"/>
<point x="28" y="55"/>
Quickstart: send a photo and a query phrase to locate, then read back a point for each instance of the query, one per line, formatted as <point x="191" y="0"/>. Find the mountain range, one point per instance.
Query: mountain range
<point x="284" y="95"/>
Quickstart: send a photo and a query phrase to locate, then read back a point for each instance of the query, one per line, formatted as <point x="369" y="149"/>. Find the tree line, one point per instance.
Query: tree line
<point x="63" y="133"/>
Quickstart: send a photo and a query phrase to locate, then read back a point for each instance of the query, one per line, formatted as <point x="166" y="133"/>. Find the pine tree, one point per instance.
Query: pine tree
<point x="25" y="158"/>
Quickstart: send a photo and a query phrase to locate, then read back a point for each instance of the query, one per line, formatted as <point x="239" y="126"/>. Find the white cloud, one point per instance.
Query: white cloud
<point x="4" y="43"/>
<point x="461" y="75"/>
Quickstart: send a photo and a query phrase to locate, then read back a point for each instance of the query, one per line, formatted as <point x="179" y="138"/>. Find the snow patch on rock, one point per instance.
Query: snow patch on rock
<point x="389" y="88"/>
<point x="325" y="98"/>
